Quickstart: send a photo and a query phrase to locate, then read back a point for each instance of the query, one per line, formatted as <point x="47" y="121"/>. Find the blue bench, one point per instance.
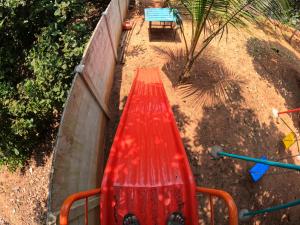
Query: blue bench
<point x="162" y="15"/>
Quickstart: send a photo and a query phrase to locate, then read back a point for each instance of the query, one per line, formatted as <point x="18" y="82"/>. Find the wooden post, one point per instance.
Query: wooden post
<point x="110" y="36"/>
<point x="92" y="89"/>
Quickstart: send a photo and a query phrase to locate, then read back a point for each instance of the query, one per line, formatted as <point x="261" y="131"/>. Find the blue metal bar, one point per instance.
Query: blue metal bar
<point x="262" y="161"/>
<point x="272" y="209"/>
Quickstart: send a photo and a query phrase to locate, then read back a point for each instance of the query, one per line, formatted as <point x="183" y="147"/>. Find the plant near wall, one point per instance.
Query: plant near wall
<point x="212" y="18"/>
<point x="41" y="42"/>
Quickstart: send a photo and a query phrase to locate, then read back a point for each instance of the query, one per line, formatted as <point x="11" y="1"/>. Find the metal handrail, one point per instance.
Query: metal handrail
<point x="233" y="212"/>
<point x="65" y="209"/>
<point x="289" y="111"/>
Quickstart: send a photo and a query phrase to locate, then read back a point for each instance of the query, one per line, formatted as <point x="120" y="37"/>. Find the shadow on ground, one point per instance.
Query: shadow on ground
<point x="295" y="43"/>
<point x="293" y="39"/>
<point x="160" y="34"/>
<point x="278" y="31"/>
<point x="228" y="123"/>
<point x="239" y="131"/>
<point x="41" y="153"/>
<point x="40" y="212"/>
<point x="269" y="28"/>
<point x="116" y="108"/>
<point x="136" y="50"/>
<point x="210" y="83"/>
<point x="280" y="67"/>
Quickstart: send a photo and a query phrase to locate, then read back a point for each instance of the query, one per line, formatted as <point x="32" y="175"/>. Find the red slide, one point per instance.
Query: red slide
<point x="147" y="173"/>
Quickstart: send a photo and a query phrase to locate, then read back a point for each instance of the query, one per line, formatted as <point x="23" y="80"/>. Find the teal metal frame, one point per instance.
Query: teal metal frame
<point x="262" y="161"/>
<point x="217" y="152"/>
<point x="247" y="214"/>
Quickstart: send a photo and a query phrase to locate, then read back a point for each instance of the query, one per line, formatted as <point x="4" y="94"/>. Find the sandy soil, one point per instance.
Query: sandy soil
<point x="23" y="194"/>
<point x="227" y="101"/>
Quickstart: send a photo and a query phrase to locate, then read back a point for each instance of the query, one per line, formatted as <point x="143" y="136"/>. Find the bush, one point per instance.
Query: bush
<point x="41" y="42"/>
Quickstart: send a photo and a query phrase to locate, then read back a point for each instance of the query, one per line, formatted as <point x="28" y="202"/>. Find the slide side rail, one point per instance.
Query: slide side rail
<point x="65" y="209"/>
<point x="232" y="209"/>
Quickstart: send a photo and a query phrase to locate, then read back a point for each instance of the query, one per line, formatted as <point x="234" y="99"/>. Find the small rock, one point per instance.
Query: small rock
<point x="15" y="189"/>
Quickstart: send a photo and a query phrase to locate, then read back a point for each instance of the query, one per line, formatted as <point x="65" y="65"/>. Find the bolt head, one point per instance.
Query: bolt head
<point x="215" y="150"/>
<point x="242" y="217"/>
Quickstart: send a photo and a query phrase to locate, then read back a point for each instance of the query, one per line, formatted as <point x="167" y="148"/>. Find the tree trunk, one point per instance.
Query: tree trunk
<point x="185" y="74"/>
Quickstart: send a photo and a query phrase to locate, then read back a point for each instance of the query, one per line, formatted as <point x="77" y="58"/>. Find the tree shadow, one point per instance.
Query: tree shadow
<point x="136" y="50"/>
<point x="268" y="28"/>
<point x="295" y="43"/>
<point x="40" y="212"/>
<point x="181" y="118"/>
<point x="116" y="111"/>
<point x="291" y="36"/>
<point x="280" y="67"/>
<point x="210" y="83"/>
<point x="41" y="153"/>
<point x="239" y="131"/>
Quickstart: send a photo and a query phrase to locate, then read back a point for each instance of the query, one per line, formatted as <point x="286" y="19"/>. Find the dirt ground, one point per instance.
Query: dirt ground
<point x="227" y="101"/>
<point x="23" y="194"/>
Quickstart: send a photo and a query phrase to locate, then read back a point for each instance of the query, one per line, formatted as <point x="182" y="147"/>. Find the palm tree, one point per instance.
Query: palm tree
<point x="213" y="17"/>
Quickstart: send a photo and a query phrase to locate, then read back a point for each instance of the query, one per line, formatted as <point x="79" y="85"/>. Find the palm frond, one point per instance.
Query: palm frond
<point x="213" y="17"/>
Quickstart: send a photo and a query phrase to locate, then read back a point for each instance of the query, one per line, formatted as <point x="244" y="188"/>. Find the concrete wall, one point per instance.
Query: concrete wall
<point x="78" y="161"/>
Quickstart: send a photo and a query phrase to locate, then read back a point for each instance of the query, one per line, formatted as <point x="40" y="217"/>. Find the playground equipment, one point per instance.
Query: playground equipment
<point x="217" y="153"/>
<point x="147" y="172"/>
<point x="291" y="137"/>
<point x="260" y="169"/>
<point x="257" y="171"/>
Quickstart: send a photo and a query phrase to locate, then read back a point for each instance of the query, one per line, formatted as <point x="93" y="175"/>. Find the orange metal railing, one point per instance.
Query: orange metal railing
<point x="232" y="209"/>
<point x="65" y="209"/>
<point x="233" y="213"/>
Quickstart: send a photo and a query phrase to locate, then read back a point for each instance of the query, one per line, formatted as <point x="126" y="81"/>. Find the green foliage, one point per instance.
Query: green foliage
<point x="41" y="41"/>
<point x="292" y="17"/>
<point x="212" y="18"/>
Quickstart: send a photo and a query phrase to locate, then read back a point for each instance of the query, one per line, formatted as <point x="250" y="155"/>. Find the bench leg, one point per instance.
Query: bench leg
<point x="174" y="34"/>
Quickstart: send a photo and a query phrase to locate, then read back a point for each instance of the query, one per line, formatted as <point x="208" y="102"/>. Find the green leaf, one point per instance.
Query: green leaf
<point x="16" y="151"/>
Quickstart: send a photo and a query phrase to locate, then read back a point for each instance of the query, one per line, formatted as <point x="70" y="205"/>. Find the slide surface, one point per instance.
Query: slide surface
<point x="147" y="173"/>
